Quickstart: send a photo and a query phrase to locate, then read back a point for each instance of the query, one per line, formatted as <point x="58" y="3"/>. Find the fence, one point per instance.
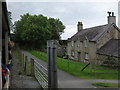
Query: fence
<point x="41" y="74"/>
<point x="46" y="77"/>
<point x="32" y="67"/>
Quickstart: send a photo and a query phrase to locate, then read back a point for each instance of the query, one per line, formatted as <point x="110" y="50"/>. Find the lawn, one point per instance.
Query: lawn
<point x="74" y="68"/>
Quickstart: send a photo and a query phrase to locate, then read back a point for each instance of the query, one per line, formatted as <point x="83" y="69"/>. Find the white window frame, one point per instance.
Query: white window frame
<point x="85" y="43"/>
<point x="72" y="53"/>
<point x="86" y="56"/>
<point x="72" y="43"/>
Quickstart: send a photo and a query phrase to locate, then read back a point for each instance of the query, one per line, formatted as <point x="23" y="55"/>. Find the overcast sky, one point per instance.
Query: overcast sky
<point x="90" y="13"/>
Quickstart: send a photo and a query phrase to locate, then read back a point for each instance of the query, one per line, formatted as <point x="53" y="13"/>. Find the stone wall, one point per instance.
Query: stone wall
<point x="105" y="60"/>
<point x="111" y="34"/>
<point x="83" y="51"/>
<point x="78" y="50"/>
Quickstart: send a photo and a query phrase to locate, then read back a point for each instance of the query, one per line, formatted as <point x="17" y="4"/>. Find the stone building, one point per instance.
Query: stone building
<point x="88" y="44"/>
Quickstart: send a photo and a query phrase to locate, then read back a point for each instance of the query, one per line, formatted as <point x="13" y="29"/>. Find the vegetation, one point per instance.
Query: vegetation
<point x="17" y="54"/>
<point x="35" y="30"/>
<point x="111" y="62"/>
<point x="105" y="85"/>
<point x="74" y="68"/>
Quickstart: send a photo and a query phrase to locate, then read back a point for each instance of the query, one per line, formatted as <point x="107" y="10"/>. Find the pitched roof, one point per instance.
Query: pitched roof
<point x="112" y="47"/>
<point x="92" y="34"/>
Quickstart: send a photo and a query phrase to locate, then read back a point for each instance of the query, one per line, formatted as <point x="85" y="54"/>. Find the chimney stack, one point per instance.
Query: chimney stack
<point x="111" y="18"/>
<point x="79" y="26"/>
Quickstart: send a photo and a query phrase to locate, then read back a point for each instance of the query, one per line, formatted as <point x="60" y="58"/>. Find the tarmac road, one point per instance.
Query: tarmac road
<point x="66" y="80"/>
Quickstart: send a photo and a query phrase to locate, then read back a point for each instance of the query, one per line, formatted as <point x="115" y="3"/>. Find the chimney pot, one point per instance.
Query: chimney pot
<point x="109" y="13"/>
<point x="79" y="26"/>
<point x="112" y="13"/>
<point x="111" y="18"/>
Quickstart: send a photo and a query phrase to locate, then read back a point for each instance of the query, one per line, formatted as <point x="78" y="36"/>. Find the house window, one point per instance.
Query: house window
<point x="85" y="43"/>
<point x="78" y="44"/>
<point x="72" y="53"/>
<point x="72" y="43"/>
<point x="86" y="56"/>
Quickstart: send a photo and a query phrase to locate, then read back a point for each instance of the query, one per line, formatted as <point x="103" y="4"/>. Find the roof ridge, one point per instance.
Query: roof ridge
<point x="92" y="33"/>
<point x="95" y="27"/>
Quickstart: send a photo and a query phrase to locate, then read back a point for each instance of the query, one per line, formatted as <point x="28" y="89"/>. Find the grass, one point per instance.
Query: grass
<point x="74" y="68"/>
<point x="105" y="85"/>
<point x="17" y="54"/>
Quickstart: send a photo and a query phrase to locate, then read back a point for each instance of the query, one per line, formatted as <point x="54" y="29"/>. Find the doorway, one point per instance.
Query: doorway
<point x="79" y="56"/>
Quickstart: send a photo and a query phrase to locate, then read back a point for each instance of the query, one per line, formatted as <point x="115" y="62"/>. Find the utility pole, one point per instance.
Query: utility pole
<point x="52" y="68"/>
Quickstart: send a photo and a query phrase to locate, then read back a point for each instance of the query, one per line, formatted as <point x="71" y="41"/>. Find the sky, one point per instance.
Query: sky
<point x="119" y="15"/>
<point x="91" y="14"/>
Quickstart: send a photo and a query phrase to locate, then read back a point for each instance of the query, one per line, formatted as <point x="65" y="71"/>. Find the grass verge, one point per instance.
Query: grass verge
<point x="17" y="54"/>
<point x="74" y="68"/>
<point x="105" y="85"/>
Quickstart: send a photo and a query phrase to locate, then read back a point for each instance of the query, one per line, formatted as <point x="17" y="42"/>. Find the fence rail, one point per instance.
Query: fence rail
<point x="37" y="70"/>
<point x="41" y="74"/>
<point x="47" y="77"/>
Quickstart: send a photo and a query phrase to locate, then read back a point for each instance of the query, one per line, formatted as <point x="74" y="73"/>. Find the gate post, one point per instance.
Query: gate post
<point x="52" y="69"/>
<point x="32" y="67"/>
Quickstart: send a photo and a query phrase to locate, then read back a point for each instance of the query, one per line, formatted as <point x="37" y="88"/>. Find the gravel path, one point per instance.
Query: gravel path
<point x="21" y="81"/>
<point x="66" y="80"/>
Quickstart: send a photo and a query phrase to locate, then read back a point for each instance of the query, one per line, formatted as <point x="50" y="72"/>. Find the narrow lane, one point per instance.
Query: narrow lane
<point x="21" y="81"/>
<point x="66" y="80"/>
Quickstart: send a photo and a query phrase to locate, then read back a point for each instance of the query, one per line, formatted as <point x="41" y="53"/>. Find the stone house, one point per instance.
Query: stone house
<point x="88" y="44"/>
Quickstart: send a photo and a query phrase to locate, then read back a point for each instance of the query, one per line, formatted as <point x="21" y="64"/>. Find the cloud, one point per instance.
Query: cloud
<point x="90" y="13"/>
<point x="62" y="0"/>
<point x="59" y="10"/>
<point x="69" y="31"/>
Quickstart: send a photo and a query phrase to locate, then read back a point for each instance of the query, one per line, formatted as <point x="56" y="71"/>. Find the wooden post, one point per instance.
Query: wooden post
<point x="0" y="44"/>
<point x="22" y="60"/>
<point x="91" y="66"/>
<point x="25" y="64"/>
<point x="32" y="67"/>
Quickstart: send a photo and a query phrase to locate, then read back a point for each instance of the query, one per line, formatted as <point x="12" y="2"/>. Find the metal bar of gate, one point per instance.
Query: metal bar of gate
<point x="52" y="69"/>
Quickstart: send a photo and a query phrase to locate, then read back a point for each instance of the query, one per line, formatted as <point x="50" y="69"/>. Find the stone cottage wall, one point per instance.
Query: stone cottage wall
<point x="111" y="34"/>
<point x="102" y="59"/>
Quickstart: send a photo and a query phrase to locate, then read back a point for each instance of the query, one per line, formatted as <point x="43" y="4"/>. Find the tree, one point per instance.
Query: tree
<point x="56" y="27"/>
<point x="37" y="29"/>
